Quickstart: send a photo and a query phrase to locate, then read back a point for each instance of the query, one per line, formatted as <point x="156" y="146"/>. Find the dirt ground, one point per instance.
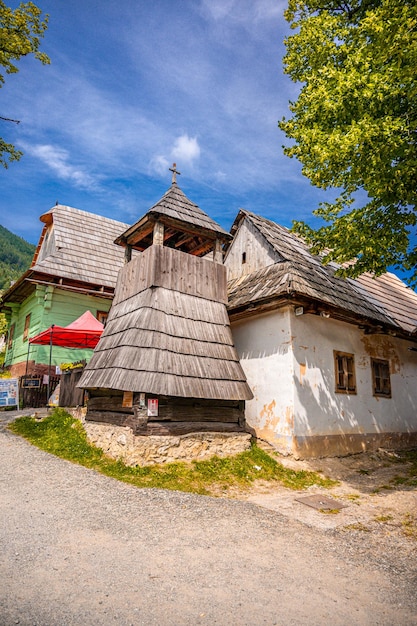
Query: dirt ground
<point x="81" y="548"/>
<point x="369" y="486"/>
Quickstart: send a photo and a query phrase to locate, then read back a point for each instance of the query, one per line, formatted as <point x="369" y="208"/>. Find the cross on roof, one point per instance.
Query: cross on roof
<point x="174" y="171"/>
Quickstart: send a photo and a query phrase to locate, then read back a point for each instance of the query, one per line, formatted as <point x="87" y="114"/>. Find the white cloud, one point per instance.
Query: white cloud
<point x="159" y="165"/>
<point x="243" y="11"/>
<point x="186" y="149"/>
<point x="57" y="160"/>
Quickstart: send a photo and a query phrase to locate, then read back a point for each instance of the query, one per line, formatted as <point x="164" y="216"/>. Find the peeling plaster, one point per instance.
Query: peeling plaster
<point x="269" y="422"/>
<point x="381" y="347"/>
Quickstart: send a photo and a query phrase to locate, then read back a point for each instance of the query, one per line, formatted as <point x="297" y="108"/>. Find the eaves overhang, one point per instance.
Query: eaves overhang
<point x="311" y="306"/>
<point x="27" y="283"/>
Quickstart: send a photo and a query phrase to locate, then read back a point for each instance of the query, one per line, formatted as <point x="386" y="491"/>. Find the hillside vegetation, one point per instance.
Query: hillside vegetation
<point x="16" y="255"/>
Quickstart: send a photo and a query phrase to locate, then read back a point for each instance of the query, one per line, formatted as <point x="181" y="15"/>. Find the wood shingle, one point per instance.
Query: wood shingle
<point x="79" y="246"/>
<point x="161" y="338"/>
<point x="296" y="273"/>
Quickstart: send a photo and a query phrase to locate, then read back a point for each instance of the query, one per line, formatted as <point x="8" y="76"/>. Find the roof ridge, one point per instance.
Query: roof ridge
<point x="89" y="213"/>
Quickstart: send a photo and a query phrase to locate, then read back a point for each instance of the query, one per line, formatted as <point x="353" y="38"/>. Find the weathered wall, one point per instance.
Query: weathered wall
<point x="265" y="351"/>
<point x="289" y="364"/>
<point x="329" y="422"/>
<point x="258" y="253"/>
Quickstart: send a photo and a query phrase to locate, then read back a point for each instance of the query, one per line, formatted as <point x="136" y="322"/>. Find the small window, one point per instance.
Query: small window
<point x="381" y="381"/>
<point x="26" y="328"/>
<point x="243" y="257"/>
<point x="11" y="335"/>
<point x="102" y="316"/>
<point x="345" y="372"/>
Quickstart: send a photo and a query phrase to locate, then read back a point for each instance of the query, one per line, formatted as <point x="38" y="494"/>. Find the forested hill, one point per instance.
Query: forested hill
<point x="16" y="255"/>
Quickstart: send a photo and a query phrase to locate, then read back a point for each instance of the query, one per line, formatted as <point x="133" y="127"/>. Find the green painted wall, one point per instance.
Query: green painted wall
<point x="49" y="306"/>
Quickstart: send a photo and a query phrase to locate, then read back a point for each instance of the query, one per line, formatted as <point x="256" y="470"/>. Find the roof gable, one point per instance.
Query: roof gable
<point x="285" y="243"/>
<point x="383" y="300"/>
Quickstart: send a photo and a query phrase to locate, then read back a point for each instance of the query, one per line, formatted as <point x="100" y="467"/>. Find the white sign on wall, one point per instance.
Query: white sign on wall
<point x="153" y="407"/>
<point x="9" y="392"/>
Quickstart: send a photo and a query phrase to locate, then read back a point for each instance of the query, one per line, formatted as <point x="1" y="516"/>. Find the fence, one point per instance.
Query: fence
<point x="69" y="394"/>
<point x="34" y="391"/>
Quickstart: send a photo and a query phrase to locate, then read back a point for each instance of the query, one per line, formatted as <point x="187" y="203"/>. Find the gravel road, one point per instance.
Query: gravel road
<point x="79" y="548"/>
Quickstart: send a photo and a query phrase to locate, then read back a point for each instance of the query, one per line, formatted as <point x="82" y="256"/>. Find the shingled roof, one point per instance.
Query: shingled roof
<point x="80" y="246"/>
<point x="180" y="216"/>
<point x="76" y="251"/>
<point x="297" y="273"/>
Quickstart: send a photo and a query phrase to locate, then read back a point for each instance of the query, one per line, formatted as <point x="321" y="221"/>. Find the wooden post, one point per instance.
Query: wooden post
<point x="128" y="253"/>
<point x="218" y="252"/>
<point x="158" y="234"/>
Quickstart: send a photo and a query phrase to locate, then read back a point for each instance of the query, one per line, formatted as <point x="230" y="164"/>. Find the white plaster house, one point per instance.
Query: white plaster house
<point x="332" y="362"/>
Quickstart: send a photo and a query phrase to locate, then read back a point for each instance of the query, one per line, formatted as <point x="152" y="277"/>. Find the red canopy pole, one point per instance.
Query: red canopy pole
<point x="27" y="359"/>
<point x="50" y="364"/>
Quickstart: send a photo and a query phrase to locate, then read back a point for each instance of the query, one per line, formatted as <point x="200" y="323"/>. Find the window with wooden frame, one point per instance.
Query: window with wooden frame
<point x="381" y="380"/>
<point x="344" y="364"/>
<point x="11" y="336"/>
<point x="26" y="328"/>
<point x="102" y="316"/>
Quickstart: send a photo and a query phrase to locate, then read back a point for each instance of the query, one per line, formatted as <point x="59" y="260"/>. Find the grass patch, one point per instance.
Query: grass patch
<point x="383" y="518"/>
<point x="379" y="489"/>
<point x="409" y="525"/>
<point x="64" y="436"/>
<point x="410" y="456"/>
<point x="357" y="526"/>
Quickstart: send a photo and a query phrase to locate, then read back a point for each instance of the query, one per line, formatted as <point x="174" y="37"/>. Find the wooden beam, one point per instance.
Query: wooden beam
<point x="202" y="248"/>
<point x="137" y="236"/>
<point x="185" y="227"/>
<point x="184" y="240"/>
<point x="182" y="428"/>
<point x="168" y="234"/>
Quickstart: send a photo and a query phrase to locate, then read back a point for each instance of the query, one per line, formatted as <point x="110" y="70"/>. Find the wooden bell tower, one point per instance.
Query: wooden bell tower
<point x="166" y="363"/>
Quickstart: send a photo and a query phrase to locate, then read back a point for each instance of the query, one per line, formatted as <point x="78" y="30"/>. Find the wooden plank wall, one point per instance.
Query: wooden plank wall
<point x="176" y="416"/>
<point x="160" y="266"/>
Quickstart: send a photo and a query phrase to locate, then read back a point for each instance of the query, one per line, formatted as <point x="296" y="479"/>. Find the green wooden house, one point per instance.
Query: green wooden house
<point x="74" y="269"/>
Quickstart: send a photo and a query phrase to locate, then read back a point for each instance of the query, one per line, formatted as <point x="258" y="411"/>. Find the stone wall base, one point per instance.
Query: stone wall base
<point x="343" y="445"/>
<point x="119" y="442"/>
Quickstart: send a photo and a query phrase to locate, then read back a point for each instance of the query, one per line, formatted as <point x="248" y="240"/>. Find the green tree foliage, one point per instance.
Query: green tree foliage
<point x="354" y="126"/>
<point x="21" y="30"/>
<point x="16" y="255"/>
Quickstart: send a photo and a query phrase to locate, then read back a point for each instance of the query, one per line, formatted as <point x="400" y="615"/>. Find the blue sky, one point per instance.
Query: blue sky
<point x="135" y="85"/>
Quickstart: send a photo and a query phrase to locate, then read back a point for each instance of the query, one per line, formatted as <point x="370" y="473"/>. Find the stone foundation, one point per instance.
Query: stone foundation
<point x="343" y="445"/>
<point x="119" y="442"/>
